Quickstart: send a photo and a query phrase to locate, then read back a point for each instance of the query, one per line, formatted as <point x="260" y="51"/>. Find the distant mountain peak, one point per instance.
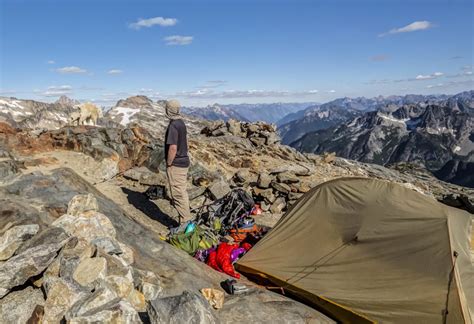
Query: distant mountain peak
<point x="66" y="101"/>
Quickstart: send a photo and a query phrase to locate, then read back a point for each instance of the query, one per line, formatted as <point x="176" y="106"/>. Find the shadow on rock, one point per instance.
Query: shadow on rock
<point x="140" y="201"/>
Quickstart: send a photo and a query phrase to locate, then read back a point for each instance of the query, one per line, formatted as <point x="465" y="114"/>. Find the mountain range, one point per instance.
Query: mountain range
<point x="436" y="133"/>
<point x="270" y="113"/>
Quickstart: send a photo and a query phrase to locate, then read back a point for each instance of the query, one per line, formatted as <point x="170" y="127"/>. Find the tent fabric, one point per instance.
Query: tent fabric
<point x="372" y="248"/>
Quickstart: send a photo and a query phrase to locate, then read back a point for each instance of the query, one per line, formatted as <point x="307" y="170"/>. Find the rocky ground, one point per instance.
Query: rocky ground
<point x="80" y="241"/>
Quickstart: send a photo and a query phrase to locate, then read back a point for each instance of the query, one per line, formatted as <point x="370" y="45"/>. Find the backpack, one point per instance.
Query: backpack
<point x="228" y="210"/>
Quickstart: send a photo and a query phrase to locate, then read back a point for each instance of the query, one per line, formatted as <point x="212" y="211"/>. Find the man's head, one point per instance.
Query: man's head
<point x="173" y="109"/>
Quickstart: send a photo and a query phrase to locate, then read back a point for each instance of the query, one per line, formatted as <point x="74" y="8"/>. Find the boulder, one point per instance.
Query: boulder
<point x="18" y="269"/>
<point x="90" y="271"/>
<point x="107" y="244"/>
<point x="60" y="297"/>
<point x="144" y="176"/>
<point x="278" y="206"/>
<point x="101" y="299"/>
<point x="188" y="307"/>
<point x="137" y="300"/>
<point x="82" y="203"/>
<point x="11" y="240"/>
<point x="122" y="286"/>
<point x="148" y="284"/>
<point x="89" y="225"/>
<point x="264" y="180"/>
<point x="266" y="194"/>
<point x="116" y="312"/>
<point x="234" y="127"/>
<point x="287" y="178"/>
<point x="281" y="187"/>
<point x="18" y="306"/>
<point x="218" y="189"/>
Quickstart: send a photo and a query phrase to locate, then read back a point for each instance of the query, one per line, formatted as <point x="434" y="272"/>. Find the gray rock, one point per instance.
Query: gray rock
<point x="188" y="307"/>
<point x="17" y="306"/>
<point x="120" y="312"/>
<point x="281" y="187"/>
<point x="194" y="192"/>
<point x="294" y="195"/>
<point x="107" y="244"/>
<point x="90" y="271"/>
<point x="287" y="177"/>
<point x="61" y="295"/>
<point x="11" y="240"/>
<point x="278" y="205"/>
<point x="17" y="270"/>
<point x="144" y="176"/>
<point x="266" y="194"/>
<point x="257" y="141"/>
<point x="218" y="189"/>
<point x="264" y="180"/>
<point x="148" y="283"/>
<point x="101" y="299"/>
<point x="234" y="127"/>
<point x="244" y="176"/>
<point x="8" y="168"/>
<point x="82" y="203"/>
<point x="89" y="227"/>
<point x="50" y="235"/>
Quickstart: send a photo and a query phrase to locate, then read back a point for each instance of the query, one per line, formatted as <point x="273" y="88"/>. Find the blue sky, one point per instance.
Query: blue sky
<point x="202" y="52"/>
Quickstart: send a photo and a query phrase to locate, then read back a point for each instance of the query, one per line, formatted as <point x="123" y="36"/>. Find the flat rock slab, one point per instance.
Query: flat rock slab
<point x="11" y="240"/>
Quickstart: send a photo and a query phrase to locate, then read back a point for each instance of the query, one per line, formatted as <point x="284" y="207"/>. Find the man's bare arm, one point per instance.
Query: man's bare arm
<point x="171" y="154"/>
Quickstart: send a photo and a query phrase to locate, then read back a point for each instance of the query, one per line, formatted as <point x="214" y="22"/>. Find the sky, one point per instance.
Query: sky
<point x="202" y="52"/>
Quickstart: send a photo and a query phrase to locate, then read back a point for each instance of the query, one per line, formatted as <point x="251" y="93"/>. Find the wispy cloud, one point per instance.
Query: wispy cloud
<point x="71" y="70"/>
<point x="150" y="22"/>
<point x="115" y="71"/>
<point x="466" y="71"/>
<point x="379" y="58"/>
<point x="429" y="76"/>
<point x="212" y="84"/>
<point x="56" y="91"/>
<point x="414" y="26"/>
<point x="450" y="84"/>
<point x="178" y="40"/>
<point x="230" y="94"/>
<point x="51" y="62"/>
<point x="457" y="57"/>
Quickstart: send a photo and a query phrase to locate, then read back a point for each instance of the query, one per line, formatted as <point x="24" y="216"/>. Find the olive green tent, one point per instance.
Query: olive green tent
<point x="366" y="250"/>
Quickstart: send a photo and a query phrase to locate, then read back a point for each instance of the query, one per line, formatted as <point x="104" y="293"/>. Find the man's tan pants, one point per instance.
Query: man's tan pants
<point x="178" y="182"/>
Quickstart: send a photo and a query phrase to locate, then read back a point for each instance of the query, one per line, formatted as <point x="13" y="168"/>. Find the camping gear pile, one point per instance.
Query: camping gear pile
<point x="222" y="232"/>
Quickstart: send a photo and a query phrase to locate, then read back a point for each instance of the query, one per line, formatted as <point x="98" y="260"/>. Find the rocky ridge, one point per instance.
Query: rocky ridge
<point x="113" y="264"/>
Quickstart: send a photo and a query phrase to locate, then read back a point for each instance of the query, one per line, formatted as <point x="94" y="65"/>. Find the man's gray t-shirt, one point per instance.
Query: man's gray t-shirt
<point x="176" y="134"/>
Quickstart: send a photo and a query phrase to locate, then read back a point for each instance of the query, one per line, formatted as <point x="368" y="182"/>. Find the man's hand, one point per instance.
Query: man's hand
<point x="171" y="154"/>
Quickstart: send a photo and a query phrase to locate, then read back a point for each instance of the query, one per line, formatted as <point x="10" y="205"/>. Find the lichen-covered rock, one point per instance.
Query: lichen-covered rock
<point x="188" y="307"/>
<point x="18" y="306"/>
<point x="12" y="238"/>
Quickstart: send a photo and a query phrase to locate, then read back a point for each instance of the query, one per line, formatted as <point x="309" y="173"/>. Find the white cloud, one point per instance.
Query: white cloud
<point x="331" y="91"/>
<point x="414" y="26"/>
<point x="71" y="70"/>
<point x="51" y="62"/>
<point x="150" y="22"/>
<point x="115" y="71"/>
<point x="56" y="91"/>
<point x="178" y="40"/>
<point x="428" y="76"/>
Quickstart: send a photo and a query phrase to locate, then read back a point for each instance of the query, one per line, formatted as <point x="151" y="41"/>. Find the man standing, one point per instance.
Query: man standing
<point x="177" y="159"/>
